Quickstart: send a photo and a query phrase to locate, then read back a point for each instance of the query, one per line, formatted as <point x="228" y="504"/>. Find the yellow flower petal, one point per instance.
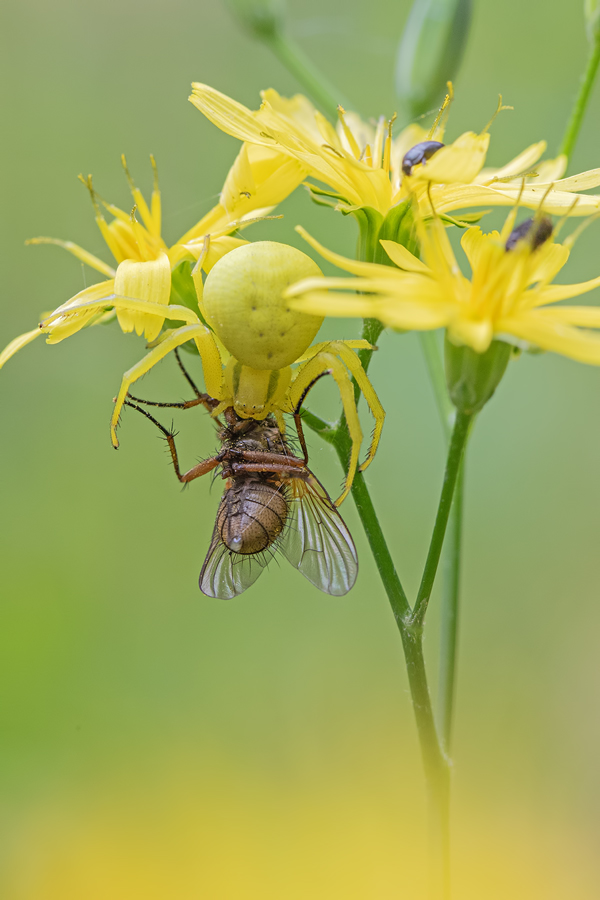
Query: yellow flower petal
<point x="461" y="161"/>
<point x="217" y="248"/>
<point x="150" y="281"/>
<point x="403" y="258"/>
<point x="521" y="163"/>
<point x="88" y="258"/>
<point x="477" y="334"/>
<point x="581" y="316"/>
<point x="582" y="182"/>
<point x="70" y="317"/>
<point x="349" y="265"/>
<point x="556" y="292"/>
<point x="230" y="116"/>
<point x="542" y="332"/>
<point x="476" y="245"/>
<point x="16" y="344"/>
<point x="551" y="170"/>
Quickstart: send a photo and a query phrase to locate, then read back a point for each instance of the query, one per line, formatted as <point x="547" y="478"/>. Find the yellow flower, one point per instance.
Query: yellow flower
<point x="364" y="166"/>
<point x="509" y="295"/>
<point x="258" y="180"/>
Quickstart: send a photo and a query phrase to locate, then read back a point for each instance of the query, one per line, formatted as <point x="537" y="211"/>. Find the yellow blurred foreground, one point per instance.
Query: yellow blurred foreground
<point x="213" y="834"/>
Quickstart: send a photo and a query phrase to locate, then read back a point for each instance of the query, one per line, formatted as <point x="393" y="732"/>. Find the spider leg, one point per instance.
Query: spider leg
<point x="209" y="354"/>
<point x="298" y="407"/>
<point x="186" y="374"/>
<point x="321" y="364"/>
<point x="207" y="465"/>
<point x="342" y="349"/>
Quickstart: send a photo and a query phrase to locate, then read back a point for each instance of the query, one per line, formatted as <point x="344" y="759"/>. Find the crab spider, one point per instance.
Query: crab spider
<point x="262" y="336"/>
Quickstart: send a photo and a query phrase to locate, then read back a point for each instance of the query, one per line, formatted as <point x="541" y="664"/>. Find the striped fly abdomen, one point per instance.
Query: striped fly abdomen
<point x="252" y="515"/>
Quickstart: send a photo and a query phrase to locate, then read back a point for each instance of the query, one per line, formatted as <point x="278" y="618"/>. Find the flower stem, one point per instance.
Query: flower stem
<point x="581" y="102"/>
<point x="298" y="64"/>
<point x="452" y="552"/>
<point x="450" y="611"/>
<point x="435" y="762"/>
<point x="458" y="442"/>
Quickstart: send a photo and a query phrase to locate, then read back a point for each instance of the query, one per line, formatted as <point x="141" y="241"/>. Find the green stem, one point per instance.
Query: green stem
<point x="435" y="763"/>
<point x="458" y="442"/>
<point x="450" y="612"/>
<point x="581" y="102"/>
<point x="298" y="63"/>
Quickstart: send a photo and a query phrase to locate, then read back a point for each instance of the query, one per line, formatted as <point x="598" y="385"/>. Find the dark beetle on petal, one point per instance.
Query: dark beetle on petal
<point x="535" y="231"/>
<point x="419" y="154"/>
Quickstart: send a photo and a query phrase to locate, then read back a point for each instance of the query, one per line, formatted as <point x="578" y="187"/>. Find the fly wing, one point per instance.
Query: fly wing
<point x="226" y="574"/>
<point x="317" y="541"/>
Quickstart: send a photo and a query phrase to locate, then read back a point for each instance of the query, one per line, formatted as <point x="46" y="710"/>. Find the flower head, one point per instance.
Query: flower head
<point x="363" y="164"/>
<point x="508" y="296"/>
<point x="258" y="180"/>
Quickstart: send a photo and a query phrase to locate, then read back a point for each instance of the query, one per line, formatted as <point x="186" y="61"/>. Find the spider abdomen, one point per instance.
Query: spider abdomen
<point x="252" y="516"/>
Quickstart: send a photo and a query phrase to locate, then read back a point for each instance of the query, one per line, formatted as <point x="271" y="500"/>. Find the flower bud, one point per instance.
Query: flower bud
<point x="262" y="18"/>
<point x="591" y="12"/>
<point x="473" y="377"/>
<point x="430" y="51"/>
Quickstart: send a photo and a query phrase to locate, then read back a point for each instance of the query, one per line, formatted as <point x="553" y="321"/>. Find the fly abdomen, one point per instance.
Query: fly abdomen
<point x="252" y="516"/>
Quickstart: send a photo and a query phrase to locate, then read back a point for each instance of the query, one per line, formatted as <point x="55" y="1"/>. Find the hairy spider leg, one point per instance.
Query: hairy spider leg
<point x="344" y="349"/>
<point x="209" y="355"/>
<point x="316" y="366"/>
<point x="202" y="468"/>
<point x="201" y="399"/>
<point x="373" y="402"/>
<point x="187" y="375"/>
<point x="204" y="400"/>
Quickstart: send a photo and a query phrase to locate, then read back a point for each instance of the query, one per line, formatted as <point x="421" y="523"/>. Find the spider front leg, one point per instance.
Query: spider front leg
<point x="202" y="468"/>
<point x="344" y="349"/>
<point x="323" y="363"/>
<point x="211" y="365"/>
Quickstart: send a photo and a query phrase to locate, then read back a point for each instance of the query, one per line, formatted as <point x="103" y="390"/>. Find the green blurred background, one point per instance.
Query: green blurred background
<point x="158" y="744"/>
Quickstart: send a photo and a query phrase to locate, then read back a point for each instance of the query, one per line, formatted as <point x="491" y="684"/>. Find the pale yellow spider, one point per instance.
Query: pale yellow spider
<point x="262" y="337"/>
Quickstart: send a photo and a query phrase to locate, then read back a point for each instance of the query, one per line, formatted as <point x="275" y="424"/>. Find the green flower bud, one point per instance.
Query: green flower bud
<point x="473" y="377"/>
<point x="591" y="12"/>
<point x="430" y="51"/>
<point x="262" y="18"/>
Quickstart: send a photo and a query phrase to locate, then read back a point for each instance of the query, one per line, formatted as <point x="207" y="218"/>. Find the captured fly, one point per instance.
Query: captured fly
<point x="272" y="503"/>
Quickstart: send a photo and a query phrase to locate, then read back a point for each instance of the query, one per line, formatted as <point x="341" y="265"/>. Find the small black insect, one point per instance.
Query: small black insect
<point x="419" y="154"/>
<point x="535" y="231"/>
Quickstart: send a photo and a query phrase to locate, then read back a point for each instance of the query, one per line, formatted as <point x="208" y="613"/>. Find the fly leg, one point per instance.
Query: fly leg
<point x="207" y="465"/>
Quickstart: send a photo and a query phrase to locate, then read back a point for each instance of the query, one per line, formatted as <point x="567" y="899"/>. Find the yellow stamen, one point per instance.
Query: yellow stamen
<point x="105" y="231"/>
<point x="140" y="237"/>
<point x="570" y="240"/>
<point x="378" y="143"/>
<point x="348" y="133"/>
<point x="443" y="112"/>
<point x="387" y="150"/>
<point x="155" y="201"/>
<point x="138" y="198"/>
<point x="500" y="108"/>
